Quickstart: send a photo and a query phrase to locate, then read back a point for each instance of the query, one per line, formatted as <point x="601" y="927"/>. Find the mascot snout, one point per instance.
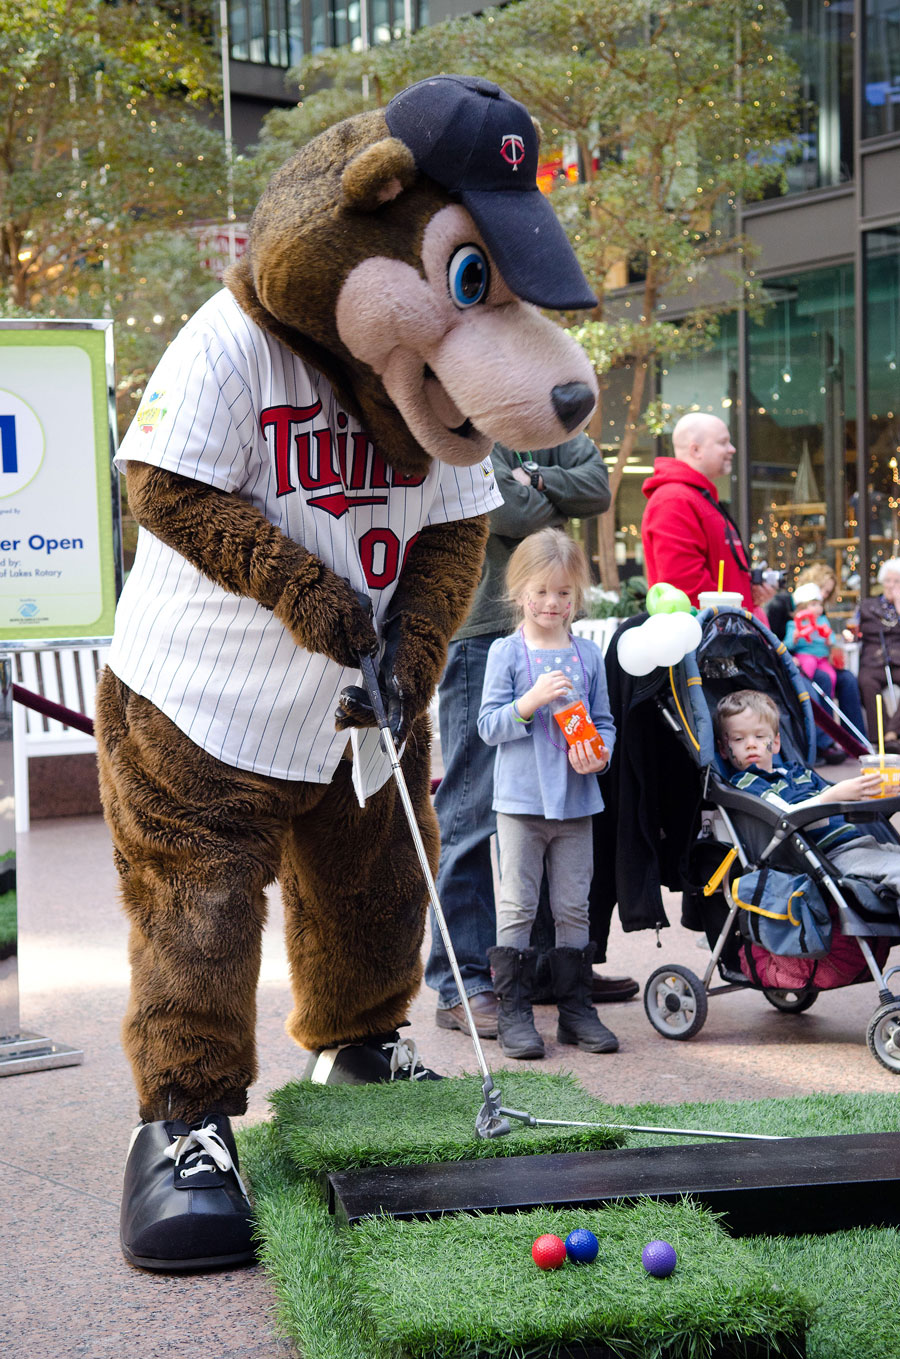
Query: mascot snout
<point x="573" y="402"/>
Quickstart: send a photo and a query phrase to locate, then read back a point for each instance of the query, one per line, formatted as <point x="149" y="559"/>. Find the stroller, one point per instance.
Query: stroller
<point x="836" y="930"/>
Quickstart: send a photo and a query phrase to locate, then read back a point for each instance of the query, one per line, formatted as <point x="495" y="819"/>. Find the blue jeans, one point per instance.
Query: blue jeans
<point x="465" y="880"/>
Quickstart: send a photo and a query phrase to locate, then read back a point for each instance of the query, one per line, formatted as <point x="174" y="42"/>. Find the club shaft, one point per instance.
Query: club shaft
<point x="670" y="1132"/>
<point x="391" y="750"/>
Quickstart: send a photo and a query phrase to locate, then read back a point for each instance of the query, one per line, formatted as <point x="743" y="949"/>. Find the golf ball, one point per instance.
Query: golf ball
<point x="582" y="1245"/>
<point x="548" y="1252"/>
<point x="659" y="1259"/>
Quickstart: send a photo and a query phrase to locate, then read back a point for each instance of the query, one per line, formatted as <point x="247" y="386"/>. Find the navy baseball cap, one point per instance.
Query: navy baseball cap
<point x="481" y="145"/>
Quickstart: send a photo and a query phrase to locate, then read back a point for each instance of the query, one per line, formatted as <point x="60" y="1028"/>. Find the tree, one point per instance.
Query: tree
<point x="673" y="112"/>
<point x="106" y="150"/>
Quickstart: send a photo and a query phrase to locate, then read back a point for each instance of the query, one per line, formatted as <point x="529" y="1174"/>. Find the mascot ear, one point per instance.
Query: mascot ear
<point x="377" y="175"/>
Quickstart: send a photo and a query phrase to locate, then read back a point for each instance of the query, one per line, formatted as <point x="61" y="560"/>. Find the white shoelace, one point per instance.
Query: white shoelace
<point x="404" y="1053"/>
<point x="197" y="1143"/>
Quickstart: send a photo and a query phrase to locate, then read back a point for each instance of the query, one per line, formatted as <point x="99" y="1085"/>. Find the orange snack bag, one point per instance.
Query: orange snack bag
<point x="577" y="726"/>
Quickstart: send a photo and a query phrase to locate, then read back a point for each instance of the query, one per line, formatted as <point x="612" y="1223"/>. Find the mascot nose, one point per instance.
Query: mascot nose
<point x="573" y="403"/>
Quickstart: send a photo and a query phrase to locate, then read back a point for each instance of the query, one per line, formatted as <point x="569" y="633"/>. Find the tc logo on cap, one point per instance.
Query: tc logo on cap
<point x="512" y="149"/>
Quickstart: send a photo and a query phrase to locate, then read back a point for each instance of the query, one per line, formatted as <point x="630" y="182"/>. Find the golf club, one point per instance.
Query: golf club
<point x="493" y="1118"/>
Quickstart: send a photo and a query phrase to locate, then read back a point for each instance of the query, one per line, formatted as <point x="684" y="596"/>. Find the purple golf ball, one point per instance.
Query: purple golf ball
<point x="582" y="1246"/>
<point x="659" y="1259"/>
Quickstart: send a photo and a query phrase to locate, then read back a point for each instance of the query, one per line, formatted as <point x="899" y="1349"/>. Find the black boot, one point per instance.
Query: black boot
<point x="184" y="1205"/>
<point x="578" y="1022"/>
<point x="543" y="982"/>
<point x="513" y="972"/>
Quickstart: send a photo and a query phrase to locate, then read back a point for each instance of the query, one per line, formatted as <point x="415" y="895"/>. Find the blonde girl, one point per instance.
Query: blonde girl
<point x="545" y="791"/>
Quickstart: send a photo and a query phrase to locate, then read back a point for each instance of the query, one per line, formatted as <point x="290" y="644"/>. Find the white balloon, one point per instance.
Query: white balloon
<point x="662" y="638"/>
<point x="633" y="653"/>
<point x="689" y="630"/>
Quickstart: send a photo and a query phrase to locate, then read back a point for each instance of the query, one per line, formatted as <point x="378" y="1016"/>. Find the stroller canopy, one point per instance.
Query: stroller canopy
<point x="737" y="651"/>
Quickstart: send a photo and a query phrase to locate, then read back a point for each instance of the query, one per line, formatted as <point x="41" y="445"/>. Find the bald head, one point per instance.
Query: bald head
<point x="703" y="441"/>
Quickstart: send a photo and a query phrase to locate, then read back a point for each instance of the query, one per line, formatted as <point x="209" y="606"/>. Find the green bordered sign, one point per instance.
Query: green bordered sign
<point x="60" y="524"/>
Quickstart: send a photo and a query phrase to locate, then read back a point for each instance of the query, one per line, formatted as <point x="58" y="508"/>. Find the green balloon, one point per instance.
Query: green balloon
<point x="663" y="598"/>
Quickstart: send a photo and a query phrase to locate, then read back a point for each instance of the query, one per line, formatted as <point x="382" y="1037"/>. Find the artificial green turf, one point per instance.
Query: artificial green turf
<point x="480" y="1292"/>
<point x="465" y="1286"/>
<point x="344" y="1127"/>
<point x="804" y="1116"/>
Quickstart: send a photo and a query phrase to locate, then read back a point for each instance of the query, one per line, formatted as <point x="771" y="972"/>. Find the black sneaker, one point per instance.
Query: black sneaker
<point x="184" y="1205"/>
<point x="383" y="1057"/>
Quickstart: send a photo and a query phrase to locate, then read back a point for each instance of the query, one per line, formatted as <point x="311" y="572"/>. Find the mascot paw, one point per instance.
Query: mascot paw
<point x="356" y="710"/>
<point x="184" y="1205"/>
<point x="383" y="1057"/>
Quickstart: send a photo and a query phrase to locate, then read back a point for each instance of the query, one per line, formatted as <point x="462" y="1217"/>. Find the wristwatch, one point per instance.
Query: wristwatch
<point x="534" y="473"/>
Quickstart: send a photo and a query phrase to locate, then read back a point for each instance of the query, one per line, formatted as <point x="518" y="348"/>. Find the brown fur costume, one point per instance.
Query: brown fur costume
<point x="346" y="268"/>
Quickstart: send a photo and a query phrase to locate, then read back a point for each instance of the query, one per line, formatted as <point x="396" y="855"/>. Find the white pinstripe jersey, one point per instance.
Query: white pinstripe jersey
<point x="230" y="406"/>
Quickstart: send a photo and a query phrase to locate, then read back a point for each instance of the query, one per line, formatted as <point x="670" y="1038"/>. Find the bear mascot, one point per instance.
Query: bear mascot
<point x="310" y="472"/>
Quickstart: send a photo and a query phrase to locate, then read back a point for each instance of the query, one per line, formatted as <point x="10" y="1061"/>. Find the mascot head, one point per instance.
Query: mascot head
<point x="404" y="254"/>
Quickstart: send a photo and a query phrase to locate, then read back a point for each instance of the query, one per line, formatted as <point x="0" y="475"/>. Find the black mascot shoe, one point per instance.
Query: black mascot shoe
<point x="382" y="1057"/>
<point x="184" y="1205"/>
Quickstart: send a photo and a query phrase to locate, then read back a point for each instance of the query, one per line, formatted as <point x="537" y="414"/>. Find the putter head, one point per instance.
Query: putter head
<point x="489" y="1122"/>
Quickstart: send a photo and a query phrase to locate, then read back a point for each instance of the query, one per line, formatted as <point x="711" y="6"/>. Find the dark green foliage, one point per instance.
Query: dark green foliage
<point x="632" y="600"/>
<point x="7" y="919"/>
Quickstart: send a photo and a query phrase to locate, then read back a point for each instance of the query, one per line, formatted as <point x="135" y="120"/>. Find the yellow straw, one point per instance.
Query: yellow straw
<point x="880" y="717"/>
<point x="721" y="575"/>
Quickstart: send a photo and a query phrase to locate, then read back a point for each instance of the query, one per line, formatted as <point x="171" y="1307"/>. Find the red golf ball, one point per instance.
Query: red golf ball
<point x="548" y="1252"/>
<point x="659" y="1259"/>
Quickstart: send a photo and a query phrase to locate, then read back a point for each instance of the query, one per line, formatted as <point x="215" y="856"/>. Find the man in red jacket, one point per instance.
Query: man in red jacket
<point x="685" y="531"/>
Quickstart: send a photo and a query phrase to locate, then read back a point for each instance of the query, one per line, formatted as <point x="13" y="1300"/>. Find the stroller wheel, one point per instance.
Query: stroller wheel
<point x="675" y="1001"/>
<point x="792" y="1002"/>
<point x="883" y="1036"/>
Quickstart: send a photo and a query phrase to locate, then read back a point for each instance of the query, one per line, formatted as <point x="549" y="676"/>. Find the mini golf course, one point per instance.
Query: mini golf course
<point x="464" y="1285"/>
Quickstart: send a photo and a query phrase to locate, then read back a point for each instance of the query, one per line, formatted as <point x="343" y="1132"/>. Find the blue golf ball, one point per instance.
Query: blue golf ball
<point x="582" y="1246"/>
<point x="659" y="1259"/>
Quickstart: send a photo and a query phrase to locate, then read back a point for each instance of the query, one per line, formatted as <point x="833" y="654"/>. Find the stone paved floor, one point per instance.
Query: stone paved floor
<point x="66" y="1289"/>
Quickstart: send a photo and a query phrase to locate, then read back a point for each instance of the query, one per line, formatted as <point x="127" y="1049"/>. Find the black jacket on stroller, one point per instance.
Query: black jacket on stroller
<point x="652" y="795"/>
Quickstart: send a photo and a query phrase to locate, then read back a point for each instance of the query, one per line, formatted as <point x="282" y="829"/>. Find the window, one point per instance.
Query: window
<point x="271" y="32"/>
<point x="802" y="426"/>
<point x="881" y="68"/>
<point x="262" y="32"/>
<point x="882" y="308"/>
<point x="821" y="44"/>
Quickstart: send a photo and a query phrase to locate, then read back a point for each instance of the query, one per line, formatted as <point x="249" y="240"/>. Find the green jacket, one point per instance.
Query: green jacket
<point x="576" y="486"/>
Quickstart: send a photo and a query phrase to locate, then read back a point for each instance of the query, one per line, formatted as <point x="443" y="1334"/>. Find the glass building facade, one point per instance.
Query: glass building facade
<point x="811" y="391"/>
<point x="279" y="33"/>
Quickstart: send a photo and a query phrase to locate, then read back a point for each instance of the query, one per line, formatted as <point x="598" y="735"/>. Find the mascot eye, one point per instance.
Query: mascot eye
<point x="468" y="276"/>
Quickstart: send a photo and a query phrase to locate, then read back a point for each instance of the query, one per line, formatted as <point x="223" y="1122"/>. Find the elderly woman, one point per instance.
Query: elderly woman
<point x="879" y="655"/>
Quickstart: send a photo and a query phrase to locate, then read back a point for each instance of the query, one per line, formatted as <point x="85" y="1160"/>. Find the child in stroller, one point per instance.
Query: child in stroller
<point x="818" y="862"/>
<point x="748" y="732"/>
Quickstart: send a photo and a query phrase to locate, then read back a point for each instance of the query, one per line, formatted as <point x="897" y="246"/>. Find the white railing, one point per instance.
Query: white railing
<point x="599" y="630"/>
<point x="68" y="677"/>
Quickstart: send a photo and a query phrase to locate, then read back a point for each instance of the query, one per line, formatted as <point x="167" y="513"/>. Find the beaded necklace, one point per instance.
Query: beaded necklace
<point x="531" y="681"/>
